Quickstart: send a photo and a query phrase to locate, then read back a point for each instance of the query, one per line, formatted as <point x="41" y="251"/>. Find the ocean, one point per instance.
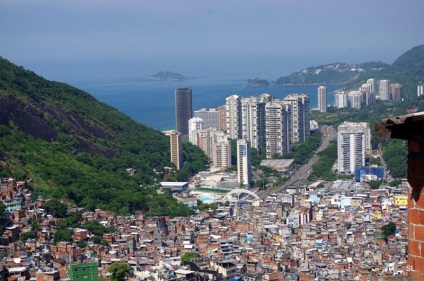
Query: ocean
<point x="152" y="102"/>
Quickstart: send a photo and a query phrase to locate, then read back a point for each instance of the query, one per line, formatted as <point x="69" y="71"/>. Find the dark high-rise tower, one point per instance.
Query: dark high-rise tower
<point x="183" y="109"/>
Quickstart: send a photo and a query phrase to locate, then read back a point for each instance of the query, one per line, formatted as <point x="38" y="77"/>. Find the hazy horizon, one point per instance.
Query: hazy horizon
<point x="73" y="40"/>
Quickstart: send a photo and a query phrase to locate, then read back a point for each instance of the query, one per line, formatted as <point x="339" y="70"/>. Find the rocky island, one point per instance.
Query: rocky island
<point x="167" y="76"/>
<point x="257" y="82"/>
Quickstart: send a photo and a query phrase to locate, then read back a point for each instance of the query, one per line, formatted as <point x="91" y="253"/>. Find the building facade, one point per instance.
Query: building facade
<point x="353" y="143"/>
<point x="396" y="91"/>
<point x="176" y="149"/>
<point x="244" y="167"/>
<point x="221" y="152"/>
<point x="300" y="116"/>
<point x="322" y="99"/>
<point x="183" y="109"/>
<point x="420" y="89"/>
<point x="340" y="99"/>
<point x="253" y="121"/>
<point x="210" y="117"/>
<point x="384" y="89"/>
<point x="195" y="125"/>
<point x="233" y="108"/>
<point x="278" y="128"/>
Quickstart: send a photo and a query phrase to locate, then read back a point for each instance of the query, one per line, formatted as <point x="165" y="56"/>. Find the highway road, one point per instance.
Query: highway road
<point x="302" y="172"/>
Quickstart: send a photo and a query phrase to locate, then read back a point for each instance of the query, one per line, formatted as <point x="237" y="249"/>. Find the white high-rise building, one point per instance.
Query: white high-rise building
<point x="210" y="117"/>
<point x="195" y="124"/>
<point x="253" y="121"/>
<point x="384" y="89"/>
<point x="233" y="107"/>
<point x="420" y="89"/>
<point x="300" y="116"/>
<point x="372" y="83"/>
<point x="340" y="99"/>
<point x="244" y="167"/>
<point x="322" y="99"/>
<point x="355" y="99"/>
<point x="278" y="128"/>
<point x="221" y="155"/>
<point x="353" y="142"/>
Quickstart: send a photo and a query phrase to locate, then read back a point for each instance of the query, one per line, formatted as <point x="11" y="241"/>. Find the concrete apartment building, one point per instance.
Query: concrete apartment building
<point x="176" y="149"/>
<point x="384" y="89"/>
<point x="233" y="108"/>
<point x="210" y="117"/>
<point x="322" y="99"/>
<point x="300" y="116"/>
<point x="353" y="143"/>
<point x="195" y="125"/>
<point x="244" y="166"/>
<point x="253" y="121"/>
<point x="278" y="128"/>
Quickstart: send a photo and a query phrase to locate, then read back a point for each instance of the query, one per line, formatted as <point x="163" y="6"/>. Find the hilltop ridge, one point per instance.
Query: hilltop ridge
<point x="68" y="144"/>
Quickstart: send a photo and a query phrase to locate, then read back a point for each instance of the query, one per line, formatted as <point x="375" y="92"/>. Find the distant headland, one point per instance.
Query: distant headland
<point x="257" y="82"/>
<point x="167" y="76"/>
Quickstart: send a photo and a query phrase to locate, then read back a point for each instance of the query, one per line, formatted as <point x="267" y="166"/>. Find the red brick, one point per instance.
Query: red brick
<point x="414" y="248"/>
<point x="415" y="275"/>
<point x="419" y="264"/>
<point x="416" y="216"/>
<point x="411" y="231"/>
<point x="420" y="202"/>
<point x="419" y="232"/>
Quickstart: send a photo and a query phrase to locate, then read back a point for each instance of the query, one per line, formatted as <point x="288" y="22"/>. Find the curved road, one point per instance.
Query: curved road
<point x="302" y="173"/>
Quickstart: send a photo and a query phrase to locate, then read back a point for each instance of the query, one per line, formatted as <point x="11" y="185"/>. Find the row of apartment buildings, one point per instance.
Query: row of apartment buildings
<point x="267" y="123"/>
<point x="367" y="94"/>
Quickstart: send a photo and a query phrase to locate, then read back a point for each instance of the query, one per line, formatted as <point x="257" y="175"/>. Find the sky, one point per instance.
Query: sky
<point x="75" y="39"/>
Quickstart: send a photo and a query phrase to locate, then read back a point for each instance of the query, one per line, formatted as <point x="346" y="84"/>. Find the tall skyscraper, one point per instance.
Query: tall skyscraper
<point x="233" y="107"/>
<point x="176" y="149"/>
<point x="195" y="124"/>
<point x="300" y="116"/>
<point x="253" y="121"/>
<point x="353" y="142"/>
<point x="322" y="99"/>
<point x="210" y="117"/>
<point x="384" y="89"/>
<point x="420" y="89"/>
<point x="244" y="167"/>
<point x="278" y="128"/>
<point x="183" y="109"/>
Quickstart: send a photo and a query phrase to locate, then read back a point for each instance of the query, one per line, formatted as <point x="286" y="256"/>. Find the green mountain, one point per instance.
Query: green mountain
<point x="408" y="70"/>
<point x="65" y="143"/>
<point x="334" y="73"/>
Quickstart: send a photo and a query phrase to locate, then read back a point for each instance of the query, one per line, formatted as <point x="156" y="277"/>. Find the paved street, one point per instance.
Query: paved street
<point x="303" y="172"/>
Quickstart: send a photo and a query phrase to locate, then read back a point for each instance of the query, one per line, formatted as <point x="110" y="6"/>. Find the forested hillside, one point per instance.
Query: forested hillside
<point x="65" y="143"/>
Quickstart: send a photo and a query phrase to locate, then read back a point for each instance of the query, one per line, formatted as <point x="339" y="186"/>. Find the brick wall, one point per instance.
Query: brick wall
<point x="416" y="210"/>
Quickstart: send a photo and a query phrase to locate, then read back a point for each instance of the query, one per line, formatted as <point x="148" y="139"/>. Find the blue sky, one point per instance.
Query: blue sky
<point x="269" y="37"/>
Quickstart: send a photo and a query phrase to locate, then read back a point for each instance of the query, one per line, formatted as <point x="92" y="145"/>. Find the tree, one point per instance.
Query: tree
<point x="26" y="235"/>
<point x="62" y="235"/>
<point x="2" y="210"/>
<point x="188" y="256"/>
<point x="388" y="229"/>
<point x="119" y="271"/>
<point x="56" y="208"/>
<point x="374" y="184"/>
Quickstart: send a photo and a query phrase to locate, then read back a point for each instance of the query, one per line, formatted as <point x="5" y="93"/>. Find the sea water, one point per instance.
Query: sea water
<point x="152" y="102"/>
